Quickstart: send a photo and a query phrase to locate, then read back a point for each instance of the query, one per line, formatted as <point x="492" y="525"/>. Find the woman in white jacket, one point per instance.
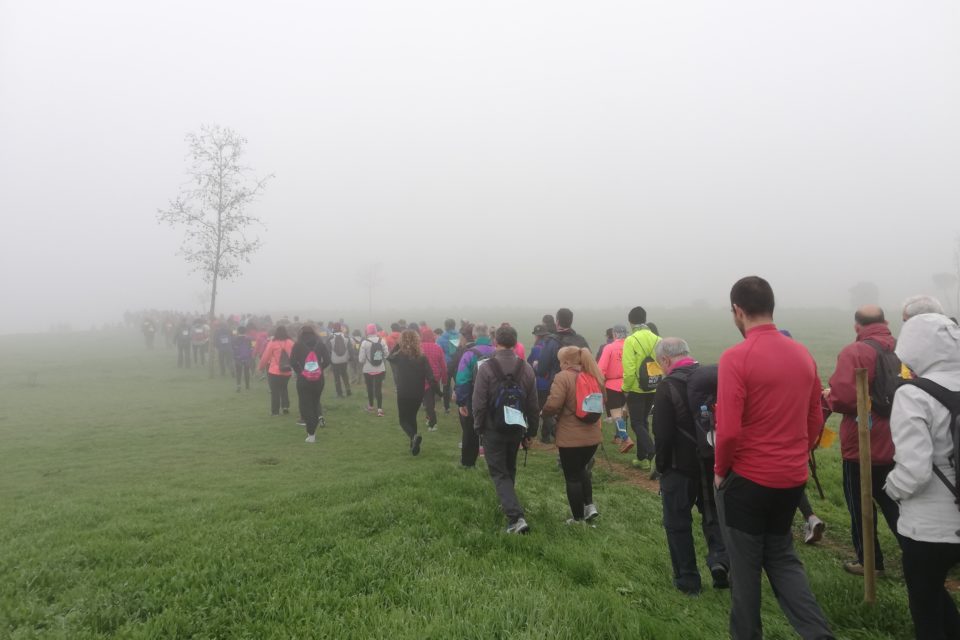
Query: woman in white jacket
<point x="373" y="357"/>
<point x="929" y="524"/>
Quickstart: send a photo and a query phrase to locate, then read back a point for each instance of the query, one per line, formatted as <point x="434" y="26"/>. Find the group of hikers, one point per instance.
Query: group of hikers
<point x="733" y="440"/>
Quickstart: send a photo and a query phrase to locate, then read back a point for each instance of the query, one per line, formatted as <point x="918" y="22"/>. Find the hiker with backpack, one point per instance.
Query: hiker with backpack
<point x="548" y="362"/>
<point x="611" y="368"/>
<point x="872" y="350"/>
<point x="925" y="426"/>
<point x="308" y="359"/>
<point x="449" y="341"/>
<point x="473" y="352"/>
<point x="641" y="374"/>
<point x="576" y="401"/>
<point x="242" y="347"/>
<point x="682" y="432"/>
<point x="373" y="356"/>
<point x="438" y="363"/>
<point x="506" y="414"/>
<point x="339" y="344"/>
<point x="411" y="372"/>
<point x="276" y="361"/>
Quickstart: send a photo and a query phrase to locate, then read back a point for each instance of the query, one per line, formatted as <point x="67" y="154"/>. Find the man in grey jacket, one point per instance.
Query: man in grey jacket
<point x="502" y="443"/>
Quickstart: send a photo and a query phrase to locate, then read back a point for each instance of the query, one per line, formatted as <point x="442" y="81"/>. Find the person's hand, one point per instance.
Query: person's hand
<point x="526" y="442"/>
<point x="718" y="480"/>
<point x="464" y="412"/>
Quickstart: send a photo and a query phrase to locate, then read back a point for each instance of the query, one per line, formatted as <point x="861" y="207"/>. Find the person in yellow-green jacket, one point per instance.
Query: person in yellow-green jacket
<point x="640" y="379"/>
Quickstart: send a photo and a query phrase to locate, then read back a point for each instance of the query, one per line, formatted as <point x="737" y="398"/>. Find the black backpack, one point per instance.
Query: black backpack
<point x="886" y="379"/>
<point x="950" y="400"/>
<point x="509" y="393"/>
<point x="339" y="345"/>
<point x="376" y="353"/>
<point x="702" y="402"/>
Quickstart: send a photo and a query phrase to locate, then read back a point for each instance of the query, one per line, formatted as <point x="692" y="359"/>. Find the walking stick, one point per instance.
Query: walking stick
<point x="866" y="486"/>
<point x="813" y="472"/>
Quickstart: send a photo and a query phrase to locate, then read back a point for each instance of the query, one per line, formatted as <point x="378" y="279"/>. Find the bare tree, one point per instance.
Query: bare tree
<point x="212" y="208"/>
<point x="370" y="278"/>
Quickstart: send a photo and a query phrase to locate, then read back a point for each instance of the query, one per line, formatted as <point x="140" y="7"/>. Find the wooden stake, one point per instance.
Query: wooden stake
<point x="866" y="487"/>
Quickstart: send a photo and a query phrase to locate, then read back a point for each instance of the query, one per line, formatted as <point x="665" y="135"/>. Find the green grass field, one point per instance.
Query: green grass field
<point x="138" y="500"/>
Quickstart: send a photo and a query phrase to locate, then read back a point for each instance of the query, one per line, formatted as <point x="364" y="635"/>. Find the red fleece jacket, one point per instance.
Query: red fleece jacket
<point x="768" y="409"/>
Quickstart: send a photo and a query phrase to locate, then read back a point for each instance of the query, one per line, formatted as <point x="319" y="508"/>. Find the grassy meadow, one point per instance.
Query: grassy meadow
<point x="138" y="500"/>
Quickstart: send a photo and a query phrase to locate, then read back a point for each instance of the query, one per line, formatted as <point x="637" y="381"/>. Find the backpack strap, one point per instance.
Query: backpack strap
<point x="950" y="400"/>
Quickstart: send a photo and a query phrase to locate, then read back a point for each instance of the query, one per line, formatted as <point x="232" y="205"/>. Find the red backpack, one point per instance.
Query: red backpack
<point x="589" y="404"/>
<point x="311" y="366"/>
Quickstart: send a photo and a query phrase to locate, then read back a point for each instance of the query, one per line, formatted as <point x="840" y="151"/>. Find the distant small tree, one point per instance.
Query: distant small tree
<point x="370" y="278"/>
<point x="864" y="293"/>
<point x="212" y="209"/>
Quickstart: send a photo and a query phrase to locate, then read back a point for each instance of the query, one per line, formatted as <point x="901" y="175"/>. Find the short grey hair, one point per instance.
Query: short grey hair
<point x="916" y="305"/>
<point x="671" y="348"/>
<point x="480" y="329"/>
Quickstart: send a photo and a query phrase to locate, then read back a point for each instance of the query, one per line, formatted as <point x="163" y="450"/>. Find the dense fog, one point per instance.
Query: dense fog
<point x="508" y="154"/>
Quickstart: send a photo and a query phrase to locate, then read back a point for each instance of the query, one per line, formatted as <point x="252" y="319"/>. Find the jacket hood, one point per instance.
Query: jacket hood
<point x="426" y="335"/>
<point x="569" y="357"/>
<point x="929" y="342"/>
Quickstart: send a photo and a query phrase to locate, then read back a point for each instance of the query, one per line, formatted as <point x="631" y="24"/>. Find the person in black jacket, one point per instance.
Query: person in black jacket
<point x="548" y="364"/>
<point x="686" y="474"/>
<point x="412" y="373"/>
<point x="309" y="391"/>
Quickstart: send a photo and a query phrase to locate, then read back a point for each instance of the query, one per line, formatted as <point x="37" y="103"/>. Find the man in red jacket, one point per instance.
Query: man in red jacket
<point x="873" y="335"/>
<point x="768" y="419"/>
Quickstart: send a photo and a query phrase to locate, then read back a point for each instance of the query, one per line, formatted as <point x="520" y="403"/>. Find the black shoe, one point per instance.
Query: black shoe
<point x="415" y="445"/>
<point x="286" y="411"/>
<point x="721" y="578"/>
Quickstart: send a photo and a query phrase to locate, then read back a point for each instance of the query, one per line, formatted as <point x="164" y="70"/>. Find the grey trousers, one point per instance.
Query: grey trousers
<point x="755" y="522"/>
<point x="500" y="449"/>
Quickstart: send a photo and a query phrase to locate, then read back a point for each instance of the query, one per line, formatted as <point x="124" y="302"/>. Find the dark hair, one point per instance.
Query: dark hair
<point x="438" y="331"/>
<point x="449" y="324"/>
<point x="506" y="336"/>
<point x="754" y="295"/>
<point x="610" y="333"/>
<point x="865" y="319"/>
<point x="564" y="318"/>
<point x="241" y="330"/>
<point x="637" y="315"/>
<point x="281" y="333"/>
<point x="394" y="326"/>
<point x="413" y="326"/>
<point x="653" y="328"/>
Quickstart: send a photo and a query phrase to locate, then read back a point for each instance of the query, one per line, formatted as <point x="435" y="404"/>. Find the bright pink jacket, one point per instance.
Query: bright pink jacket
<point x="271" y="356"/>
<point x="611" y="365"/>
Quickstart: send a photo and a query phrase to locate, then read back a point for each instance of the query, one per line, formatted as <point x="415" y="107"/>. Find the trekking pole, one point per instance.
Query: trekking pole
<point x="603" y="449"/>
<point x="866" y="487"/>
<point x="816" y="478"/>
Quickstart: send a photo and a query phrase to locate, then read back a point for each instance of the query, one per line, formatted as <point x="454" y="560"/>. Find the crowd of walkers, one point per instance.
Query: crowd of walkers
<point x="733" y="440"/>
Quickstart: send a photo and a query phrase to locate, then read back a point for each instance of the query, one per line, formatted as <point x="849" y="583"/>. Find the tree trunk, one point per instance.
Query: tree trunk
<point x="213" y="308"/>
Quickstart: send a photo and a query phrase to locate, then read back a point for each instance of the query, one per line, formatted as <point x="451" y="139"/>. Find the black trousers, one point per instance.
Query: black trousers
<point x="341" y="377"/>
<point x="224" y="357"/>
<point x="575" y="463"/>
<point x="201" y="351"/>
<point x="279" y="396"/>
<point x="889" y="508"/>
<point x="470" y="442"/>
<point x="310" y="409"/>
<point x="374" y="388"/>
<point x="242" y="369"/>
<point x="680" y="494"/>
<point x="500" y="450"/>
<point x="925" y="567"/>
<point x="755" y="521"/>
<point x="430" y="406"/>
<point x="407" y="409"/>
<point x="639" y="405"/>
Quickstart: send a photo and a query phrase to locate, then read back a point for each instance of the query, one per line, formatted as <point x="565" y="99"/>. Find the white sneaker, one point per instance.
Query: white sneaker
<point x="519" y="527"/>
<point x="813" y="530"/>
<point x="311" y="439"/>
<point x="590" y="512"/>
<point x="431" y="429"/>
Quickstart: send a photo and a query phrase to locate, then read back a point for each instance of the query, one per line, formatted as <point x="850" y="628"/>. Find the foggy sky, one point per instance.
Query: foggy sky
<point x="535" y="154"/>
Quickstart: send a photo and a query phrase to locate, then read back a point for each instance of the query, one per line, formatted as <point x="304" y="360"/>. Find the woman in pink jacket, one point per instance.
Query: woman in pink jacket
<point x="276" y="360"/>
<point x="611" y="366"/>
